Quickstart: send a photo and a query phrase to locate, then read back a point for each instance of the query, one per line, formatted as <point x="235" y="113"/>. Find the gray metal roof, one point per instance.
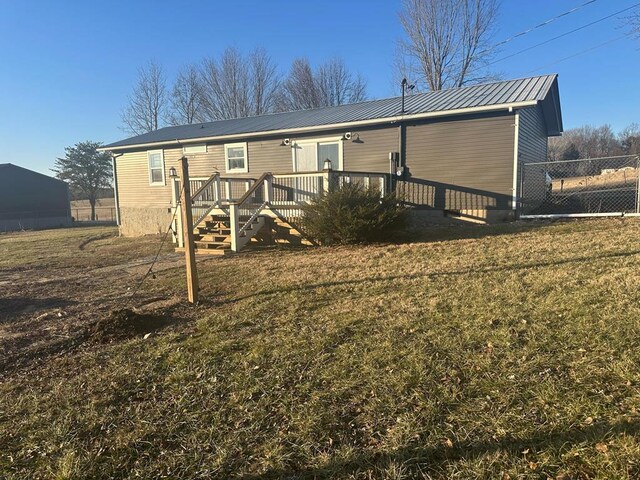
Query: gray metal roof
<point x="11" y="166"/>
<point x="543" y="89"/>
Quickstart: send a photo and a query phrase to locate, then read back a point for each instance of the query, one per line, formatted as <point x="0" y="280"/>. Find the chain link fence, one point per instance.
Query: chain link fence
<point x="103" y="214"/>
<point x="588" y="186"/>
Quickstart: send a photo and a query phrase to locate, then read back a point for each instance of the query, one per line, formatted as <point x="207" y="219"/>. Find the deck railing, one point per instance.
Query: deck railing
<point x="244" y="199"/>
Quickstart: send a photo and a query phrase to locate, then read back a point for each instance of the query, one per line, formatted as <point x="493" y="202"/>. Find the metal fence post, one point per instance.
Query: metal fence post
<point x="638" y="185"/>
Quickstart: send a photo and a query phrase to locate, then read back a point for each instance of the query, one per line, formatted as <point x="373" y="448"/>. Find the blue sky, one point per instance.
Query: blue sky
<point x="66" y="67"/>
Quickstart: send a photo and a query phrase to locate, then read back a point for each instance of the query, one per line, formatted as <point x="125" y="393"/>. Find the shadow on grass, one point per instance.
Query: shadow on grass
<point x="435" y="459"/>
<point x="12" y="307"/>
<point x="412" y="276"/>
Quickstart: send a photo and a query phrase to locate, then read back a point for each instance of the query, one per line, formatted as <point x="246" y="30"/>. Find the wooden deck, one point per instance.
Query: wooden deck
<point x="230" y="213"/>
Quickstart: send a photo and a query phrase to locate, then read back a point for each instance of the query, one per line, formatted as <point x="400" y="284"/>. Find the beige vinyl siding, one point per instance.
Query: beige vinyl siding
<point x="457" y="164"/>
<point x="370" y="151"/>
<point x="133" y="175"/>
<point x="532" y="147"/>
<point x="269" y="156"/>
<point x="461" y="164"/>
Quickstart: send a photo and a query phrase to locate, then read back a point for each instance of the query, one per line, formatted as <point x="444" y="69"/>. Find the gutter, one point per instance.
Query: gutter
<point x="331" y="126"/>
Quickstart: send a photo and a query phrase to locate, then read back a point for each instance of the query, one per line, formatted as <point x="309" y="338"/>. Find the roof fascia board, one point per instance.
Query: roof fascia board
<point x="314" y="128"/>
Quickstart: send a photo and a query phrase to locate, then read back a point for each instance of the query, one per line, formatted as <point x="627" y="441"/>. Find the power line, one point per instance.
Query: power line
<point x="582" y="27"/>
<point x="529" y="30"/>
<point x="540" y="25"/>
<point x="578" y="53"/>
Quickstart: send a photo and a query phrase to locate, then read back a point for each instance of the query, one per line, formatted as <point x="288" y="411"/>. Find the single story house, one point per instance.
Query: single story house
<point x="31" y="200"/>
<point x="456" y="152"/>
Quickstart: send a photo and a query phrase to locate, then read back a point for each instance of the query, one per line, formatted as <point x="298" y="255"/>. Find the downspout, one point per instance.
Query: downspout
<point x="402" y="161"/>
<point x="115" y="186"/>
<point x="516" y="151"/>
<point x="393" y="168"/>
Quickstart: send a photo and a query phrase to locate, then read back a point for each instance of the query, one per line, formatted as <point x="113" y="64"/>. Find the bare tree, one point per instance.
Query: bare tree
<point x="332" y="84"/>
<point x="589" y="141"/>
<point x="237" y="86"/>
<point x="336" y="85"/>
<point x="299" y="89"/>
<point x="148" y="101"/>
<point x="225" y="86"/>
<point x="264" y="82"/>
<point x="634" y="22"/>
<point x="629" y="139"/>
<point x="186" y="105"/>
<point x="447" y="41"/>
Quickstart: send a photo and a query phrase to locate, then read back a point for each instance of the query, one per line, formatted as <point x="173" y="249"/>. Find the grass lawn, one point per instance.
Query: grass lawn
<point x="488" y="352"/>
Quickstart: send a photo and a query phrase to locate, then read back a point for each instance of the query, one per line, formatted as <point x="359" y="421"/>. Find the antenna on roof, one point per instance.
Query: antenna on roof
<point x="405" y="87"/>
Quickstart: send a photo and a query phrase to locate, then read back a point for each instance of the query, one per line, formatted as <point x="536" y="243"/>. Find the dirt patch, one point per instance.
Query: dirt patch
<point x="125" y="323"/>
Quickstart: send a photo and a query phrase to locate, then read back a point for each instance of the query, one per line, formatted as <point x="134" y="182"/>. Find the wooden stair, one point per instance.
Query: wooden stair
<point x="288" y="233"/>
<point x="213" y="235"/>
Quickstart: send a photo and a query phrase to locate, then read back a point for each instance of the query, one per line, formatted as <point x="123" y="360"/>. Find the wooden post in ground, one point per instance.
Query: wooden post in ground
<point x="187" y="232"/>
<point x="234" y="225"/>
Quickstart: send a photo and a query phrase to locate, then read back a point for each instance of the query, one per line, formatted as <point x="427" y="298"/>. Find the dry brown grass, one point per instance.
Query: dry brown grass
<point x="485" y="352"/>
<point x="623" y="178"/>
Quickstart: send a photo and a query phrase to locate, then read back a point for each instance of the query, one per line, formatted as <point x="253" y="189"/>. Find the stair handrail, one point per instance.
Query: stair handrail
<point x="204" y="186"/>
<point x="258" y="183"/>
<point x="252" y="218"/>
<point x="213" y="179"/>
<point x="234" y="209"/>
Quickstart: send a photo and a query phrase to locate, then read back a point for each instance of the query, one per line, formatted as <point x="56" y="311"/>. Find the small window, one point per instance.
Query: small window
<point x="235" y="155"/>
<point x="156" y="167"/>
<point x="202" y="148"/>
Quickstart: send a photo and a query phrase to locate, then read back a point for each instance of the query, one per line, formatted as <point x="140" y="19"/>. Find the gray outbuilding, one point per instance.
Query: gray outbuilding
<point x="31" y="200"/>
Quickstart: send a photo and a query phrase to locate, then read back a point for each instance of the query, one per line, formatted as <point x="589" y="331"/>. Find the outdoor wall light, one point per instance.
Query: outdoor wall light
<point x="327" y="164"/>
<point x="172" y="172"/>
<point x="354" y="137"/>
<point x="286" y="142"/>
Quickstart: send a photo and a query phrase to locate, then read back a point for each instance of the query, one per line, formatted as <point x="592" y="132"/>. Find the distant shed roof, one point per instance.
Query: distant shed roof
<point x="26" y="171"/>
<point x="541" y="90"/>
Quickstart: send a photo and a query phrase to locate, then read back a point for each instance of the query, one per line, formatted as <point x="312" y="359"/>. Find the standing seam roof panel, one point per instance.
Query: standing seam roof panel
<point x="496" y="93"/>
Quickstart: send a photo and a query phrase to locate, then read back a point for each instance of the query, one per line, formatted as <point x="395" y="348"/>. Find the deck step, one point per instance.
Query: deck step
<point x="211" y="244"/>
<point x="212" y="237"/>
<point x="207" y="251"/>
<point x="214" y="231"/>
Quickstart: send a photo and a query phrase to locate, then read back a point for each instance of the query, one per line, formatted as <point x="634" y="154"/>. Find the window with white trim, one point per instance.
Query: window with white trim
<point x="235" y="156"/>
<point x="156" y="167"/>
<point x="200" y="148"/>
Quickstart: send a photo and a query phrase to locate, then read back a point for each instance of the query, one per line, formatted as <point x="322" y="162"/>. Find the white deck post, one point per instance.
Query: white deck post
<point x="227" y="185"/>
<point x="383" y="187"/>
<point x="217" y="188"/>
<point x="327" y="177"/>
<point x="234" y="225"/>
<point x="268" y="190"/>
